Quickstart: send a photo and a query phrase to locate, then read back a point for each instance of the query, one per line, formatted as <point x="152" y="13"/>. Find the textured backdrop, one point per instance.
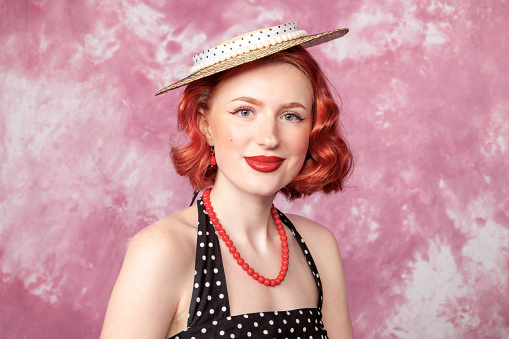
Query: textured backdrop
<point x="423" y="228"/>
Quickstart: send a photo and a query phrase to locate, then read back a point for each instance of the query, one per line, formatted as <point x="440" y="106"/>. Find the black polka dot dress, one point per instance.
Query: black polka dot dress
<point x="209" y="313"/>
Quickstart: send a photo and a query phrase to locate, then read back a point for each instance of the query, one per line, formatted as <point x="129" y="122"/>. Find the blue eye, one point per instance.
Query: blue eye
<point x="291" y="117"/>
<point x="243" y="112"/>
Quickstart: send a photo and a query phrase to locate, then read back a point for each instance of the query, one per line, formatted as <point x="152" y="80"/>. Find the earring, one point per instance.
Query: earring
<point x="212" y="160"/>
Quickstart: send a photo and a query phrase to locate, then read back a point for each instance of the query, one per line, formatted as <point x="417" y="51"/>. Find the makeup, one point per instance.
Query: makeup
<point x="262" y="163"/>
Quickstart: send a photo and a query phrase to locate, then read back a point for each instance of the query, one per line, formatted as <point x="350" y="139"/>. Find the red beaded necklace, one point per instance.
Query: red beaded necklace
<point x="236" y="255"/>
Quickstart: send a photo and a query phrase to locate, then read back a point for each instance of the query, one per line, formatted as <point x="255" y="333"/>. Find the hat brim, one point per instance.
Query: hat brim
<point x="306" y="41"/>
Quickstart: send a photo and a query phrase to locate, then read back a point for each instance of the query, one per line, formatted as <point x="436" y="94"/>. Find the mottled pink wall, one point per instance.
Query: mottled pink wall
<point x="424" y="229"/>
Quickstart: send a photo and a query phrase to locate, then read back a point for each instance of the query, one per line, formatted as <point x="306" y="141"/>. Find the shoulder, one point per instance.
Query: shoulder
<point x="149" y="288"/>
<point x="166" y="237"/>
<point x="322" y="245"/>
<point x="316" y="236"/>
<point x="325" y="251"/>
<point x="163" y="250"/>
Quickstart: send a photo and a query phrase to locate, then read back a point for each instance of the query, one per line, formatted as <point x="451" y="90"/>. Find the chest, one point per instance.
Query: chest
<point x="246" y="295"/>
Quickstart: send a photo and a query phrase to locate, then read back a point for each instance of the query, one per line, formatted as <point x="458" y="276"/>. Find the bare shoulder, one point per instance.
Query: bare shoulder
<point x="167" y="236"/>
<point x="149" y="289"/>
<point x="164" y="246"/>
<point x="318" y="237"/>
<point x="325" y="251"/>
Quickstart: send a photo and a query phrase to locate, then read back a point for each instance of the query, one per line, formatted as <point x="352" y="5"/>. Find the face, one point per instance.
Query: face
<point x="259" y="124"/>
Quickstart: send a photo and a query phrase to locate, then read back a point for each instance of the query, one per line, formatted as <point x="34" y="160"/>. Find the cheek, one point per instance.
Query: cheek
<point x="303" y="149"/>
<point x="299" y="143"/>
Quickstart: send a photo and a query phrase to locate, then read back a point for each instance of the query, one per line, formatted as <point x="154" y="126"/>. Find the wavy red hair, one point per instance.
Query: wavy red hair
<point x="329" y="160"/>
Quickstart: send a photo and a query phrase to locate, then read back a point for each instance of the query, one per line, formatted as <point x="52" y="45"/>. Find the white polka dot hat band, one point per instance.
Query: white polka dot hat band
<point x="252" y="46"/>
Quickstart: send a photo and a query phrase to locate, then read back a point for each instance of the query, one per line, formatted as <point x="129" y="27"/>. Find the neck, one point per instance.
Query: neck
<point x="245" y="216"/>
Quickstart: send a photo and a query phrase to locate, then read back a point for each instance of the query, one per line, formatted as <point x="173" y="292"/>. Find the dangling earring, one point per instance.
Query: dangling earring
<point x="212" y="160"/>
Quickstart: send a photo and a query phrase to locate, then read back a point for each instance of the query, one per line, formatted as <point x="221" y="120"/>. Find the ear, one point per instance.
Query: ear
<point x="204" y="126"/>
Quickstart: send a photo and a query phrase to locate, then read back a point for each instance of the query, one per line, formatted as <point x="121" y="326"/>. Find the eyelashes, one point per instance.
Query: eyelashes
<point x="292" y="117"/>
<point x="245" y="111"/>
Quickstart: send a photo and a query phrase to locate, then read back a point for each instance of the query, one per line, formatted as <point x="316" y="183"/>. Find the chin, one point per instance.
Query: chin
<point x="265" y="188"/>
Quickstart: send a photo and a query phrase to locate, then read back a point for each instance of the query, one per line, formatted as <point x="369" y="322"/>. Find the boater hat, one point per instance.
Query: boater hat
<point x="252" y="46"/>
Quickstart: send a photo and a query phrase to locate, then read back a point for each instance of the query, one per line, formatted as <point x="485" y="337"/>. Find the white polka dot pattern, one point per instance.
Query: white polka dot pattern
<point x="209" y="313"/>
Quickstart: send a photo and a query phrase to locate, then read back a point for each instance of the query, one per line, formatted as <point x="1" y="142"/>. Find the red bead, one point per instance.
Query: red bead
<point x="236" y="255"/>
<point x="212" y="161"/>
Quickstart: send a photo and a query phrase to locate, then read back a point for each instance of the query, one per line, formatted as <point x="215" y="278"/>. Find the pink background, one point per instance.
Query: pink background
<point x="424" y="228"/>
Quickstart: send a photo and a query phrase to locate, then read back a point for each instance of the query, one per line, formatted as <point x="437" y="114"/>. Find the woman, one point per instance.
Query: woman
<point x="261" y="120"/>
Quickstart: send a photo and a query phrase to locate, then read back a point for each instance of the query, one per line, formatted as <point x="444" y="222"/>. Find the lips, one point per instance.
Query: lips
<point x="262" y="163"/>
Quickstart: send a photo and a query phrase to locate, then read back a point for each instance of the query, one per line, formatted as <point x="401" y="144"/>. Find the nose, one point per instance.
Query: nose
<point x="267" y="134"/>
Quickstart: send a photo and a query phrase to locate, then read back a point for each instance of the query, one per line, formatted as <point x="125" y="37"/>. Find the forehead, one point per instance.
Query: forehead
<point x="274" y="81"/>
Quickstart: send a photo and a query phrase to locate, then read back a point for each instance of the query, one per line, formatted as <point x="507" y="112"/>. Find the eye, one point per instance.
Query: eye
<point x="243" y="111"/>
<point x="292" y="117"/>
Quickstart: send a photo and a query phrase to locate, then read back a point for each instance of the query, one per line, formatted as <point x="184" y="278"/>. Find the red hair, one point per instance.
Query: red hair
<point x="329" y="160"/>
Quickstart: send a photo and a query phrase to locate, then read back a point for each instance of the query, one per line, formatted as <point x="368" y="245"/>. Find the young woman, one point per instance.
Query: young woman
<point x="261" y="120"/>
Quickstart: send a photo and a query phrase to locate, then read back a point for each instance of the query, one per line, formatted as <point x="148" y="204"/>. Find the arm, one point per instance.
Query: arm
<point x="336" y="316"/>
<point x="146" y="294"/>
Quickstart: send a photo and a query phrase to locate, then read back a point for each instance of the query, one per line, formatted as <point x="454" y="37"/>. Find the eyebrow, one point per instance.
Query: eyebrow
<point x="257" y="102"/>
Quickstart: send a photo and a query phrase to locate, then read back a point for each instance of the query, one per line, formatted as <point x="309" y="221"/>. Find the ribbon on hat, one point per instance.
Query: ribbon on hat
<point x="245" y="43"/>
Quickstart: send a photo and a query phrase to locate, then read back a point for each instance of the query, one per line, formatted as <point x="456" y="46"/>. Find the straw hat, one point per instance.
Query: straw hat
<point x="252" y="46"/>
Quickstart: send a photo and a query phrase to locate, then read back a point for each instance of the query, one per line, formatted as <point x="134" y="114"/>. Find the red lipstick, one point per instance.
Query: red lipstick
<point x="262" y="163"/>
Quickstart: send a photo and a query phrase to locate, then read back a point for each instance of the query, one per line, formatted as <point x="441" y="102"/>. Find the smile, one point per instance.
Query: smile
<point x="263" y="163"/>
